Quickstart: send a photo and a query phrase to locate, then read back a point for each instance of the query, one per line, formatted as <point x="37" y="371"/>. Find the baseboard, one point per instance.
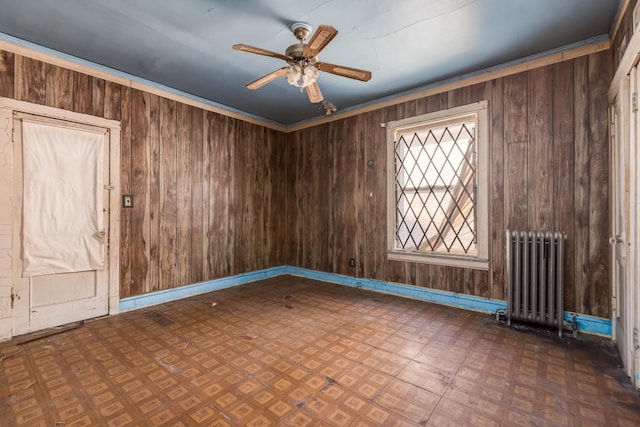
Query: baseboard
<point x="166" y="295"/>
<point x="586" y="324"/>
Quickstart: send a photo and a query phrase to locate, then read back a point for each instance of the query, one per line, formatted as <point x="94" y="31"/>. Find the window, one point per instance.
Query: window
<point x="437" y="187"/>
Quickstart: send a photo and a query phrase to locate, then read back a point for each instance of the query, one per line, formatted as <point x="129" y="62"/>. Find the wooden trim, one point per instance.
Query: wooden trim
<point x="513" y="67"/>
<point x="524" y="64"/>
<point x="10" y="106"/>
<point x="622" y="9"/>
<point x="114" y="219"/>
<point x="479" y="111"/>
<point x="132" y="82"/>
<point x="450" y="261"/>
<point x="629" y="59"/>
<point x="56" y="113"/>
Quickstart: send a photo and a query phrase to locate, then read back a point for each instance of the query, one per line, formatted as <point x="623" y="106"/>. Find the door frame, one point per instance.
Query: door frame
<point x="623" y="131"/>
<point x="7" y="109"/>
<point x="627" y="72"/>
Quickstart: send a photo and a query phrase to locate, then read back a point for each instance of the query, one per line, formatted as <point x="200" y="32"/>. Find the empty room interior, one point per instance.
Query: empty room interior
<point x="204" y="223"/>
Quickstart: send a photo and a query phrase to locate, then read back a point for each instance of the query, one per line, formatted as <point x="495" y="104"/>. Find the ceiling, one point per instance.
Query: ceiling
<point x="407" y="45"/>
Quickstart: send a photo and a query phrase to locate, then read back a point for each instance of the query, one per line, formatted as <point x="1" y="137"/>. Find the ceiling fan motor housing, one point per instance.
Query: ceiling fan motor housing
<point x="296" y="51"/>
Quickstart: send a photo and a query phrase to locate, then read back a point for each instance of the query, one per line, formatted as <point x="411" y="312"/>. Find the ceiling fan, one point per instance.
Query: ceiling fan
<point x="304" y="66"/>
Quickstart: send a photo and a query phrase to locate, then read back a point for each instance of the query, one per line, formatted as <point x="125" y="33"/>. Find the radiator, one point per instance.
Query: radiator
<point x="534" y="277"/>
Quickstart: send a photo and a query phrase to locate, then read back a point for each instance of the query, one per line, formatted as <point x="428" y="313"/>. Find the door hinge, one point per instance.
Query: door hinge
<point x="634" y="102"/>
<point x="636" y="344"/>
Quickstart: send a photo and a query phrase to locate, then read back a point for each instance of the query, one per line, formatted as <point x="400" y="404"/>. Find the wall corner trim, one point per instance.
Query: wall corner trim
<point x="586" y="324"/>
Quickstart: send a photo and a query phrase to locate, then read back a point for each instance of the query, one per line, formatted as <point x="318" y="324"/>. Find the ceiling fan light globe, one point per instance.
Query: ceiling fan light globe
<point x="310" y="75"/>
<point x="302" y="76"/>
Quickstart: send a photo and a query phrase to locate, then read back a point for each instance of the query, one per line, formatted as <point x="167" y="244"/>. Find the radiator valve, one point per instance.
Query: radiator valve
<point x="573" y="325"/>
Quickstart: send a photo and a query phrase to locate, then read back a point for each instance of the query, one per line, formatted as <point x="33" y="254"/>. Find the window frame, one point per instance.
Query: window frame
<point x="481" y="205"/>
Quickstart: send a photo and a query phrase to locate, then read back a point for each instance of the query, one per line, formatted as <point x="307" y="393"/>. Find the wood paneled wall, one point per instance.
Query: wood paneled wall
<point x="549" y="170"/>
<point x="215" y="196"/>
<point x="209" y="191"/>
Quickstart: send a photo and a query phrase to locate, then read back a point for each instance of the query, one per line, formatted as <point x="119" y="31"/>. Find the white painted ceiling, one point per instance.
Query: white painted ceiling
<point x="407" y="44"/>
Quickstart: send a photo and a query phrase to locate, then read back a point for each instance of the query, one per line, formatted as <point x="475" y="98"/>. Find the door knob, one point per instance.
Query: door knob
<point x="616" y="239"/>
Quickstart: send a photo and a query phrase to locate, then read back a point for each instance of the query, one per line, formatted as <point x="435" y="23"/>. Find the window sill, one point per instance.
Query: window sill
<point x="446" y="260"/>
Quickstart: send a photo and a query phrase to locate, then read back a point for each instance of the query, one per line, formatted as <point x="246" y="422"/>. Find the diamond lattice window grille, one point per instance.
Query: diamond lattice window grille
<point x="435" y="187"/>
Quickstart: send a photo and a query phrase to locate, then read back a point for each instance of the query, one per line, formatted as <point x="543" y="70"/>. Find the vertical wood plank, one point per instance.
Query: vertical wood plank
<point x="291" y="244"/>
<point x="344" y="179"/>
<point x="325" y="146"/>
<point x="358" y="194"/>
<point x="59" y="87"/>
<point x="248" y="251"/>
<point x="183" y="193"/>
<point x="245" y="165"/>
<point x="480" y="281"/>
<point x="219" y="145"/>
<point x="331" y="165"/>
<point x="82" y="93"/>
<point x="581" y="183"/>
<point x="516" y="162"/>
<point x="154" y="195"/>
<point x="454" y="98"/>
<point x="168" y="194"/>
<point x="498" y="286"/>
<point x="97" y="96"/>
<point x="269" y="188"/>
<point x="564" y="178"/>
<point x="112" y="98"/>
<point x="229" y="139"/>
<point x="125" y="188"/>
<point x="206" y="195"/>
<point x="276" y="200"/>
<point x="311" y="191"/>
<point x="139" y="177"/>
<point x="516" y="192"/>
<point x="516" y="123"/>
<point x="238" y="200"/>
<point x="29" y="77"/>
<point x="540" y="146"/>
<point x="600" y="291"/>
<point x="375" y="197"/>
<point x="197" y="201"/>
<point x="7" y="82"/>
<point x="256" y="192"/>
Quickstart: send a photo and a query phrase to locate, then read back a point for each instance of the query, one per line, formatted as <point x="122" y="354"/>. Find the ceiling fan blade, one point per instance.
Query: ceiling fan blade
<point x="314" y="94"/>
<point x="258" y="51"/>
<point x="321" y="38"/>
<point x="340" y="70"/>
<point x="267" y="79"/>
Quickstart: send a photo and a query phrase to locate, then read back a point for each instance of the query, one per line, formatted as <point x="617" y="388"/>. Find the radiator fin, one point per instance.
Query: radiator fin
<point x="534" y="277"/>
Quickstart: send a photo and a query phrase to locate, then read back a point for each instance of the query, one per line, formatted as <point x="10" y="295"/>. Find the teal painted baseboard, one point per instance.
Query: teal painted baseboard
<point x="166" y="295"/>
<point x="586" y="324"/>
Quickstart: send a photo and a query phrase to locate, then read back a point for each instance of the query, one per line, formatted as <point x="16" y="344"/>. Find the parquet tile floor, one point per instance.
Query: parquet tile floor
<point x="295" y="352"/>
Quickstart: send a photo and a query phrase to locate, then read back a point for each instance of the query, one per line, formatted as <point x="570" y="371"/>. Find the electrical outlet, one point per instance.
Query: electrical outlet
<point x="127" y="201"/>
<point x="352" y="262"/>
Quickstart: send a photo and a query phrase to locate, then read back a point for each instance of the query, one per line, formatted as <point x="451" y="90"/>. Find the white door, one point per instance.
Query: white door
<point x="624" y="223"/>
<point x="632" y="207"/>
<point x="61" y="222"/>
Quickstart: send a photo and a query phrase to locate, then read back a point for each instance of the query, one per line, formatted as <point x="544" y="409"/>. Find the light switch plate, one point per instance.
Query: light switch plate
<point x="127" y="201"/>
